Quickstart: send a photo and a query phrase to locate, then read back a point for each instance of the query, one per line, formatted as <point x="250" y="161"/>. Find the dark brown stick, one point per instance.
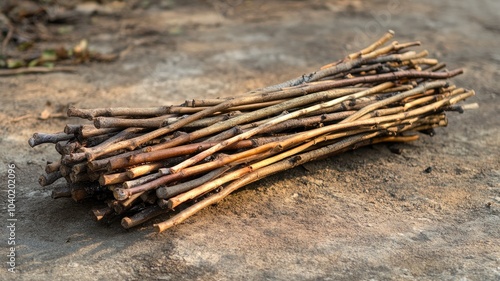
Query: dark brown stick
<point x="145" y="215"/>
<point x="39" y="138"/>
<point x="50" y="178"/>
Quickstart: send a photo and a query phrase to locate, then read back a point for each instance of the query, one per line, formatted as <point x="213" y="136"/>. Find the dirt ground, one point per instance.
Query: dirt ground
<point x="365" y="215"/>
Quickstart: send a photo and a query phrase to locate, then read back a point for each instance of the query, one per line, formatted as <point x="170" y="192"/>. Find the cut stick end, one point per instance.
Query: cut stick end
<point x="42" y="180"/>
<point x="32" y="142"/>
<point x="98" y="123"/>
<point x="121" y="194"/>
<point x="61" y="192"/>
<point x="127" y="223"/>
<point x="102" y="180"/>
<point x="75" y="112"/>
<point x="99" y="214"/>
<point x="172" y="203"/>
<point x="160" y="227"/>
<point x="161" y="192"/>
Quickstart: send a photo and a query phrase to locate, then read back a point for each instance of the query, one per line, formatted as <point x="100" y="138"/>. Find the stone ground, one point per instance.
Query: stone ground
<point x="365" y="215"/>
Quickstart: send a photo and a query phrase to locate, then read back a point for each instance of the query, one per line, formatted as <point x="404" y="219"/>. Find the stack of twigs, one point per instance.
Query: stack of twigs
<point x="143" y="162"/>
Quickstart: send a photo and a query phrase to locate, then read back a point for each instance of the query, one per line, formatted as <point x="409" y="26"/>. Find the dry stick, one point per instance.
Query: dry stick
<point x="95" y="140"/>
<point x="73" y="158"/>
<point x="121" y="194"/>
<point x="123" y="135"/>
<point x="102" y="164"/>
<point x="254" y="106"/>
<point x="421" y="61"/>
<point x="184" y="110"/>
<point x="50" y="178"/>
<point x="133" y="143"/>
<point x="255" y="175"/>
<point x="204" y="102"/>
<point x="114" y="122"/>
<point x="396" y="139"/>
<point x="142" y="216"/>
<point x="78" y="178"/>
<point x="113" y="178"/>
<point x="101" y="213"/>
<point x="141" y="180"/>
<point x="68" y="147"/>
<point x="398" y="89"/>
<point x="138" y="158"/>
<point x="246" y="107"/>
<point x="87" y="131"/>
<point x="83" y="190"/>
<point x="423" y="94"/>
<point x="346" y="109"/>
<point x="108" y="140"/>
<point x="65" y="170"/>
<point x="454" y="99"/>
<point x="138" y="171"/>
<point x="61" y="192"/>
<point x="122" y="206"/>
<point x="433" y="68"/>
<point x="79" y="168"/>
<point x="385" y="77"/>
<point x="382" y="112"/>
<point x="39" y="138"/>
<point x="117" y="111"/>
<point x="385" y="38"/>
<point x="308" y="121"/>
<point x="462" y="108"/>
<point x="393" y="99"/>
<point x="170" y="191"/>
<point x="157" y="122"/>
<point x="394" y="47"/>
<point x="52" y="166"/>
<point x="427" y="99"/>
<point x="60" y="145"/>
<point x="72" y="128"/>
<point x="231" y="160"/>
<point x="225" y="134"/>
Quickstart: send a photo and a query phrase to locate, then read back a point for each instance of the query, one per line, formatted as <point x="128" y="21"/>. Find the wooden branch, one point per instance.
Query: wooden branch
<point x="170" y="191"/>
<point x="39" y="138"/>
<point x="50" y="178"/>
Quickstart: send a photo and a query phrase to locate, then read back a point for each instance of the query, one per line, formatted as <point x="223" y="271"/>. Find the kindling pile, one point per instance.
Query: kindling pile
<point x="140" y="163"/>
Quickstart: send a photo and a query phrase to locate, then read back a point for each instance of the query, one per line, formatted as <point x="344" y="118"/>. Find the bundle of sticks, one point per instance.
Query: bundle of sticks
<point x="140" y="163"/>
